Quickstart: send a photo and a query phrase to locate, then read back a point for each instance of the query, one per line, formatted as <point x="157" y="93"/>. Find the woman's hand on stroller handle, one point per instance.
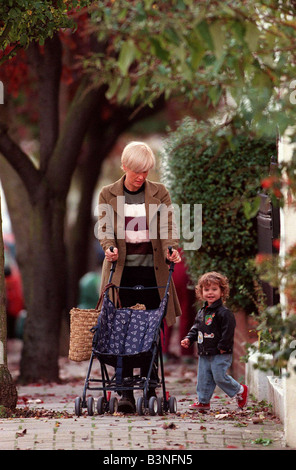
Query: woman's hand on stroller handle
<point x="111" y="254"/>
<point x="173" y="255"/>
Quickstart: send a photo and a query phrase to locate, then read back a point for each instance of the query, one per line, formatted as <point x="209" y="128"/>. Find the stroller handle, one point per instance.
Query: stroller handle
<point x="113" y="266"/>
<point x="172" y="264"/>
<point x="112" y="270"/>
<point x="171" y="252"/>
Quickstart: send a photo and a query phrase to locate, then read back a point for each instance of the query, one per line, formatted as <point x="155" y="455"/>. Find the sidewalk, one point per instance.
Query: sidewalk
<point x="54" y="426"/>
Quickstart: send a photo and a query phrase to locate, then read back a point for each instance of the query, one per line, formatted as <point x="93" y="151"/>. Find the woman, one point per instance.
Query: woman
<point x="135" y="220"/>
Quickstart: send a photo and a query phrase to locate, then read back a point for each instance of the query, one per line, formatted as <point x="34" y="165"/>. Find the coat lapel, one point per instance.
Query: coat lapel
<point x="117" y="203"/>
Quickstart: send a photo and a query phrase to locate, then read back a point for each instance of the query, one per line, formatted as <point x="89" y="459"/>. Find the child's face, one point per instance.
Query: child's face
<point x="211" y="292"/>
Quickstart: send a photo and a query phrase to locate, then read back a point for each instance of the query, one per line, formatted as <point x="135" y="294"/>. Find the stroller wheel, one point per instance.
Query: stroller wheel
<point x="101" y="405"/>
<point x="140" y="406"/>
<point x="160" y="407"/>
<point x="78" y="406"/>
<point x="90" y="406"/>
<point x="153" y="406"/>
<point x="172" y="405"/>
<point x="113" y="405"/>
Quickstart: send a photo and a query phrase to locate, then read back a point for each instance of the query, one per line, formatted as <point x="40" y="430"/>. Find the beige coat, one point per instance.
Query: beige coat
<point x="155" y="194"/>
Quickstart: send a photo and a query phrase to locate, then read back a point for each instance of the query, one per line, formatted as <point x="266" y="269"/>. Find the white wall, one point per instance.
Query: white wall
<point x="288" y="238"/>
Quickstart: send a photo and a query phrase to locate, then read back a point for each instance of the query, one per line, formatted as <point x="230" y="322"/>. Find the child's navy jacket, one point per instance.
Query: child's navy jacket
<point x="213" y="329"/>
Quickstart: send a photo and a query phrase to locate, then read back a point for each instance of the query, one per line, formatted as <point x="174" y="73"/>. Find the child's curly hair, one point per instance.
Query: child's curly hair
<point x="216" y="278"/>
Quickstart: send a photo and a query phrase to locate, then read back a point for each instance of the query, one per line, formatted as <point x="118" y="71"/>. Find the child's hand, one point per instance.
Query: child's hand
<point x="185" y="343"/>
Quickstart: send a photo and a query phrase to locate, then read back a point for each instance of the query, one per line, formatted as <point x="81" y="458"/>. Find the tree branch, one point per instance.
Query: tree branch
<point x="5" y="32"/>
<point x="48" y="67"/>
<point x="68" y="147"/>
<point x="20" y="162"/>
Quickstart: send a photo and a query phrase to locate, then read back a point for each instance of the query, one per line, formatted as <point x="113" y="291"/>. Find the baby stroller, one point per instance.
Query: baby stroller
<point x="123" y="333"/>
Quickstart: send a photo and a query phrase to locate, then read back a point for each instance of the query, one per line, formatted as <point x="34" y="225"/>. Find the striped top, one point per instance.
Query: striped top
<point x="138" y="245"/>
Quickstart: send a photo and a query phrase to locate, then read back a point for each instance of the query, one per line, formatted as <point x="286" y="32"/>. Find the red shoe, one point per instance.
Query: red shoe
<point x="200" y="406"/>
<point x="242" y="397"/>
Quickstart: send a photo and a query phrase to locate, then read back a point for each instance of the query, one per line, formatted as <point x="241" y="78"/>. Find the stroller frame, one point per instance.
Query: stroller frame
<point x="106" y="402"/>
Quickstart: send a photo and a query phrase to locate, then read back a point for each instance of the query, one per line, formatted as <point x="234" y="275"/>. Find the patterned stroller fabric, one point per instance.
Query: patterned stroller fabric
<point x="125" y="331"/>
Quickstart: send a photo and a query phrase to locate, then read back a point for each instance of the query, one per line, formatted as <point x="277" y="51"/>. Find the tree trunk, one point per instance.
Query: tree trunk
<point x="39" y="243"/>
<point x="46" y="299"/>
<point x="8" y="392"/>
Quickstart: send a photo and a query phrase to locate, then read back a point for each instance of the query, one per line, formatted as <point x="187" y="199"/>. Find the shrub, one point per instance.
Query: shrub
<point x="220" y="168"/>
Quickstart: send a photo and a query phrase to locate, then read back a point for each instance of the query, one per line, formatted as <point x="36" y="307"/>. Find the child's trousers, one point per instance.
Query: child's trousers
<point x="212" y="371"/>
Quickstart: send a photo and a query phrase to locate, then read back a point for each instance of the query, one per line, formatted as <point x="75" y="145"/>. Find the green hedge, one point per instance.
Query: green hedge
<point x="221" y="169"/>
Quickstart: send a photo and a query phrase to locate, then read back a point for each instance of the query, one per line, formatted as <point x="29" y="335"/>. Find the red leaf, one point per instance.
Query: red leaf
<point x="25" y="399"/>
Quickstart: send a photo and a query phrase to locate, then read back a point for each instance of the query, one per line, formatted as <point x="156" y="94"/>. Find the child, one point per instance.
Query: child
<point x="213" y="329"/>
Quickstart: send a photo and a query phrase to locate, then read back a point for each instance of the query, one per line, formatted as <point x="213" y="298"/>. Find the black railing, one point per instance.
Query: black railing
<point x="268" y="229"/>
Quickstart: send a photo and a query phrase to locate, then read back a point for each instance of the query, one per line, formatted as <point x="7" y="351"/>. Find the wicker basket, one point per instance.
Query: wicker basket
<point x="81" y="321"/>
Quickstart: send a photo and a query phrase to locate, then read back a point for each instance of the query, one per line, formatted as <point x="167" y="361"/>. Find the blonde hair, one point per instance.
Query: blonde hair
<point x="138" y="157"/>
<point x="215" y="278"/>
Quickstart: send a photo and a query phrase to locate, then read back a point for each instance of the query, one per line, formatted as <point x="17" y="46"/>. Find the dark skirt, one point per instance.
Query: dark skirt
<point x="135" y="276"/>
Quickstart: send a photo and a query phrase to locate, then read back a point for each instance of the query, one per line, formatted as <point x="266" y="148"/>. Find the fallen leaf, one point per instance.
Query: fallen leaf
<point x="222" y="416"/>
<point x="263" y="441"/>
<point x="169" y="426"/>
<point x="24" y="399"/>
<point x="257" y="420"/>
<point x="21" y="434"/>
